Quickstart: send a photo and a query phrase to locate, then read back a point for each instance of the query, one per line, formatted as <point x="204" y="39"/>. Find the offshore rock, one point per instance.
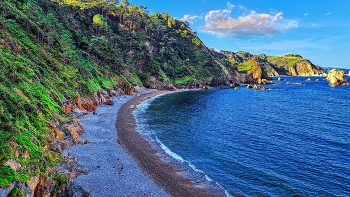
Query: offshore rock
<point x="346" y="83"/>
<point x="336" y="77"/>
<point x="257" y="87"/>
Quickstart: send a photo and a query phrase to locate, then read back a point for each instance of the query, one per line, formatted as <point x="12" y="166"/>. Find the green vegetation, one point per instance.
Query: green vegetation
<point x="290" y="64"/>
<point x="287" y="61"/>
<point x="52" y="50"/>
<point x="251" y="67"/>
<point x="16" y="193"/>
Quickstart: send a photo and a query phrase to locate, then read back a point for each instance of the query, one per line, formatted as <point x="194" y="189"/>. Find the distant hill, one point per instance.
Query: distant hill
<point x="263" y="66"/>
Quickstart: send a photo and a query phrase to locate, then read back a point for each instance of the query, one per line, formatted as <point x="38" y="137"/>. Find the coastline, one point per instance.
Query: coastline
<point x="162" y="173"/>
<point x="107" y="169"/>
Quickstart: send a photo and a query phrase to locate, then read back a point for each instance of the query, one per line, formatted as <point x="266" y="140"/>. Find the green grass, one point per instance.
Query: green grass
<point x="285" y="61"/>
<point x="185" y="80"/>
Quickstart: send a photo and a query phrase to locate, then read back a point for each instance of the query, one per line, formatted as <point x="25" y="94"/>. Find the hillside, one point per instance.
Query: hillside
<point x="262" y="66"/>
<point x="64" y="56"/>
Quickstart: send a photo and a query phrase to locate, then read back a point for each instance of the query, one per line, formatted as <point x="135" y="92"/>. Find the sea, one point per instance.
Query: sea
<point x="290" y="140"/>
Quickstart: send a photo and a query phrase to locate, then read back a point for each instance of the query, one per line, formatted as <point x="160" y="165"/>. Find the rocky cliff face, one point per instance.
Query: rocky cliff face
<point x="291" y="65"/>
<point x="294" y="66"/>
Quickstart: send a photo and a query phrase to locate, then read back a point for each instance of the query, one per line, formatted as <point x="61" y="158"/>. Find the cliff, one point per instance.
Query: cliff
<point x="295" y="65"/>
<point x="263" y="67"/>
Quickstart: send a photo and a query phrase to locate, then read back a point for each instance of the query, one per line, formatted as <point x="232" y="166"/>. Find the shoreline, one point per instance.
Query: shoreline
<point x="106" y="168"/>
<point x="162" y="173"/>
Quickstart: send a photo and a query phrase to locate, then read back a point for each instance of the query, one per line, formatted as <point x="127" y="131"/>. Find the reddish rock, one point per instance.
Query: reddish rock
<point x="78" y="101"/>
<point x="79" y="128"/>
<point x="44" y="187"/>
<point x="67" y="108"/>
<point x="73" y="130"/>
<point x="33" y="182"/>
<point x="57" y="133"/>
<point x="90" y="106"/>
<point x="109" y="102"/>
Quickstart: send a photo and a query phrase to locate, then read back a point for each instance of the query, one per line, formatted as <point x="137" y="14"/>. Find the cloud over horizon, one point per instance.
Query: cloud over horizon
<point x="189" y="18"/>
<point x="252" y="24"/>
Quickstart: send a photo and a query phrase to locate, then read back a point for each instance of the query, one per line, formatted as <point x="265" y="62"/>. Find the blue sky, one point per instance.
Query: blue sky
<point x="319" y="30"/>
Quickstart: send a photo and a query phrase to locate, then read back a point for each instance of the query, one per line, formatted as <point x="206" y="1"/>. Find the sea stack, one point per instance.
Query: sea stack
<point x="335" y="77"/>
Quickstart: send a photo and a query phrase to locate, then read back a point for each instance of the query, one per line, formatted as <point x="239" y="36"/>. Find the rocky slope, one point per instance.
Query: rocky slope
<point x="262" y="66"/>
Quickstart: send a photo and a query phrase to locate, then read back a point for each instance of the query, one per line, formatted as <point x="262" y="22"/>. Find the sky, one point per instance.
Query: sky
<point x="318" y="30"/>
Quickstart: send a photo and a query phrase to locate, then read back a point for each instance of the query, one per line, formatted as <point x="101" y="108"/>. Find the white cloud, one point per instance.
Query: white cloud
<point x="230" y="5"/>
<point x="306" y="14"/>
<point x="251" y="24"/>
<point x="241" y="7"/>
<point x="189" y="18"/>
<point x="291" y="24"/>
<point x="278" y="16"/>
<point x="328" y="14"/>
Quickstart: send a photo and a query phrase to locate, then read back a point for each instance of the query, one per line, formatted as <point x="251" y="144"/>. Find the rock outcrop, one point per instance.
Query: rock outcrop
<point x="336" y="77"/>
<point x="290" y="64"/>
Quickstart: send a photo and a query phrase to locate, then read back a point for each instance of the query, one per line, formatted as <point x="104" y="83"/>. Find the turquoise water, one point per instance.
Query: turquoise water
<point x="289" y="141"/>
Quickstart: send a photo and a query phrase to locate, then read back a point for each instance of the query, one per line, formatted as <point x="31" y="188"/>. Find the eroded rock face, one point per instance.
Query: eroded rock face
<point x="44" y="187"/>
<point x="72" y="131"/>
<point x="336" y="77"/>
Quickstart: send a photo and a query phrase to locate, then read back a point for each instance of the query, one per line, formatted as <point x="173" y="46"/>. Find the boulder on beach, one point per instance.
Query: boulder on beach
<point x="335" y="77"/>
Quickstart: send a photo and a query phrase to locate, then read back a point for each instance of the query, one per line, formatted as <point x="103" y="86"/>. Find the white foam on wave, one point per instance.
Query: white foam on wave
<point x="170" y="152"/>
<point x="193" y="167"/>
<point x="141" y="108"/>
<point x="141" y="124"/>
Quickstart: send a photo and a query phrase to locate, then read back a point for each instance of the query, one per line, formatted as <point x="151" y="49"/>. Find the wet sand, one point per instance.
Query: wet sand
<point x="163" y="174"/>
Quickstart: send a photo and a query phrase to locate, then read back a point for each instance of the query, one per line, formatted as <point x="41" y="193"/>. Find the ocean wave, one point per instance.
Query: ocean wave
<point x="177" y="157"/>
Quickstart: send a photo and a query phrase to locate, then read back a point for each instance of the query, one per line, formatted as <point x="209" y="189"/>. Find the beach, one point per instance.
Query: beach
<point x="109" y="170"/>
<point x="161" y="172"/>
<point x="119" y="162"/>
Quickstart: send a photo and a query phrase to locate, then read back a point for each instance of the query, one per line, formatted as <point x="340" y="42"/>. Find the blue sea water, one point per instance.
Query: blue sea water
<point x="291" y="140"/>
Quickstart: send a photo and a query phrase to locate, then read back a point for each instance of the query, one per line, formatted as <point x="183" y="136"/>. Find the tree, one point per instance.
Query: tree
<point x="99" y="21"/>
<point x="125" y="4"/>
